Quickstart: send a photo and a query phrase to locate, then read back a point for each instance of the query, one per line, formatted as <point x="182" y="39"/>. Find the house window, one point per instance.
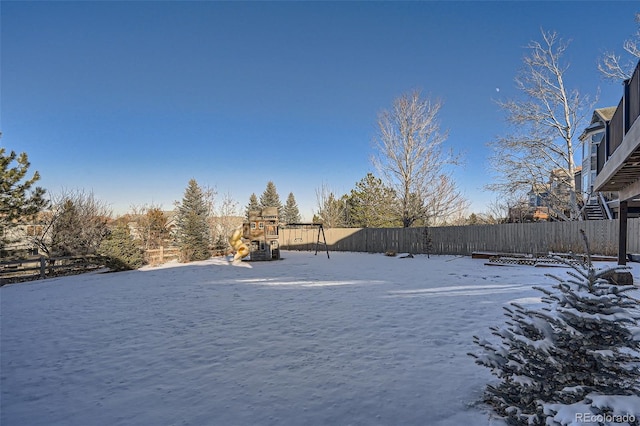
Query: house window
<point x="534" y="200"/>
<point x="261" y="225"/>
<point x="253" y="225"/>
<point x="597" y="138"/>
<point x="272" y="230"/>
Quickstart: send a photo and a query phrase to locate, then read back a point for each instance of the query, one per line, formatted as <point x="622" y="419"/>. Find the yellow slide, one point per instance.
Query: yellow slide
<point x="239" y="247"/>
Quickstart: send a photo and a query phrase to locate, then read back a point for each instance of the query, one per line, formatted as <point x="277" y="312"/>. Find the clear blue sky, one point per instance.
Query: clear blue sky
<point x="130" y="100"/>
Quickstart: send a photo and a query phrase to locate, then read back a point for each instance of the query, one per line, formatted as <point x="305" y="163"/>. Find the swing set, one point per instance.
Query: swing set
<point x="298" y="235"/>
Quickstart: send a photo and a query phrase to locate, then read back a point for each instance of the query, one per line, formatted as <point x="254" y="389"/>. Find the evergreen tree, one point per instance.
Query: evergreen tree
<point x="253" y="205"/>
<point x="291" y="213"/>
<point x="19" y="200"/>
<point x="120" y="250"/>
<point x="578" y="352"/>
<point x="270" y="198"/>
<point x="66" y="231"/>
<point x="192" y="224"/>
<point x="371" y="204"/>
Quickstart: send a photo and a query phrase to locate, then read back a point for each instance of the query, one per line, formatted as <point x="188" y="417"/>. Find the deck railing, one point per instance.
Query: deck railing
<point x="616" y="129"/>
<point x="626" y="113"/>
<point x="633" y="94"/>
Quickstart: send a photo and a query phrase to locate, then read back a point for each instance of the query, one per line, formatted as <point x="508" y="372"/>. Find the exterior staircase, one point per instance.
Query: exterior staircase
<point x="593" y="212"/>
<point x="595" y="208"/>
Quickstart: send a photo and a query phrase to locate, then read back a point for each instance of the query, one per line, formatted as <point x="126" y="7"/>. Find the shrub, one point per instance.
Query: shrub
<point x="120" y="250"/>
<point x="579" y="354"/>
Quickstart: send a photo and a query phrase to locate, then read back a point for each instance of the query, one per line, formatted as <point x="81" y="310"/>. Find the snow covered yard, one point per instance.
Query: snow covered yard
<point x="358" y="339"/>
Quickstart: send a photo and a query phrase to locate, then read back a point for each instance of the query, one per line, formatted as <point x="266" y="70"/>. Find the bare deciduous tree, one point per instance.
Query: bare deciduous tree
<point x="497" y="211"/>
<point x="150" y="226"/>
<point x="75" y="224"/>
<point x="544" y="124"/>
<point x="411" y="159"/>
<point x="226" y="218"/>
<point x="331" y="210"/>
<point x="613" y="66"/>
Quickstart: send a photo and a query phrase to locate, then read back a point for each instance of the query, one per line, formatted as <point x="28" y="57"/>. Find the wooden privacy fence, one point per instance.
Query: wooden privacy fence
<point x="540" y="237"/>
<point x="43" y="267"/>
<point x="162" y="255"/>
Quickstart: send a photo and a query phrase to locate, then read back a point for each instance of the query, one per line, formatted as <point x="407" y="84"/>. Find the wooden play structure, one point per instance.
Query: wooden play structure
<point x="261" y="231"/>
<point x="259" y="238"/>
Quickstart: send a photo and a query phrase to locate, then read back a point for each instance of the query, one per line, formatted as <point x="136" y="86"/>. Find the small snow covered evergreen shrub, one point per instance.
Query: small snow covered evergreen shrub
<point x="574" y="360"/>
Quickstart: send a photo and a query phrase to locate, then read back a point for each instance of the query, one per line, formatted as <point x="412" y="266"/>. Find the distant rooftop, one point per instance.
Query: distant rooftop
<point x="604" y="113"/>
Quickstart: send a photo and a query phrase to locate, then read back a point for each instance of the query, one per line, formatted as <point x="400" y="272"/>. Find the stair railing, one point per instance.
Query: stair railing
<point x="604" y="204"/>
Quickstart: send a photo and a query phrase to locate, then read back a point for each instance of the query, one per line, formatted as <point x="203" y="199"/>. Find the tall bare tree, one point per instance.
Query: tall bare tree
<point x="497" y="211"/>
<point x="410" y="157"/>
<point x="226" y="218"/>
<point x="332" y="211"/>
<point x="542" y="144"/>
<point x="613" y="66"/>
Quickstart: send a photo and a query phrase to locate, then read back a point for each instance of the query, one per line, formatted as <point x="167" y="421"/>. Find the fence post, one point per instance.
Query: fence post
<point x="43" y="264"/>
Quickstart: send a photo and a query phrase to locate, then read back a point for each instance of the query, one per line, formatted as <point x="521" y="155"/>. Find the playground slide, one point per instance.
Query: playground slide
<point x="240" y="248"/>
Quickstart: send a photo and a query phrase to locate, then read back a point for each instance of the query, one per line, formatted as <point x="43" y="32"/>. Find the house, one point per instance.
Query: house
<point x="561" y="188"/>
<point x="597" y="205"/>
<point x="618" y="159"/>
<point x="546" y="201"/>
<point x="534" y="209"/>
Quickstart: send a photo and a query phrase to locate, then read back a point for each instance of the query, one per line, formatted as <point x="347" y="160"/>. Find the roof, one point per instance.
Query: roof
<point x="600" y="117"/>
<point x="538" y="188"/>
<point x="604" y="114"/>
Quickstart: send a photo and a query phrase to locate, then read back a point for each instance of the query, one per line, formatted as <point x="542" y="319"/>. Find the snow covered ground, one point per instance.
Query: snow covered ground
<point x="358" y="339"/>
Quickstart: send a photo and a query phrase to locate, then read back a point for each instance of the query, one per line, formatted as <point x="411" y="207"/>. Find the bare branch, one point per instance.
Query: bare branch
<point x="331" y="210"/>
<point x="410" y="157"/>
<point x="539" y="153"/>
<point x="613" y="67"/>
